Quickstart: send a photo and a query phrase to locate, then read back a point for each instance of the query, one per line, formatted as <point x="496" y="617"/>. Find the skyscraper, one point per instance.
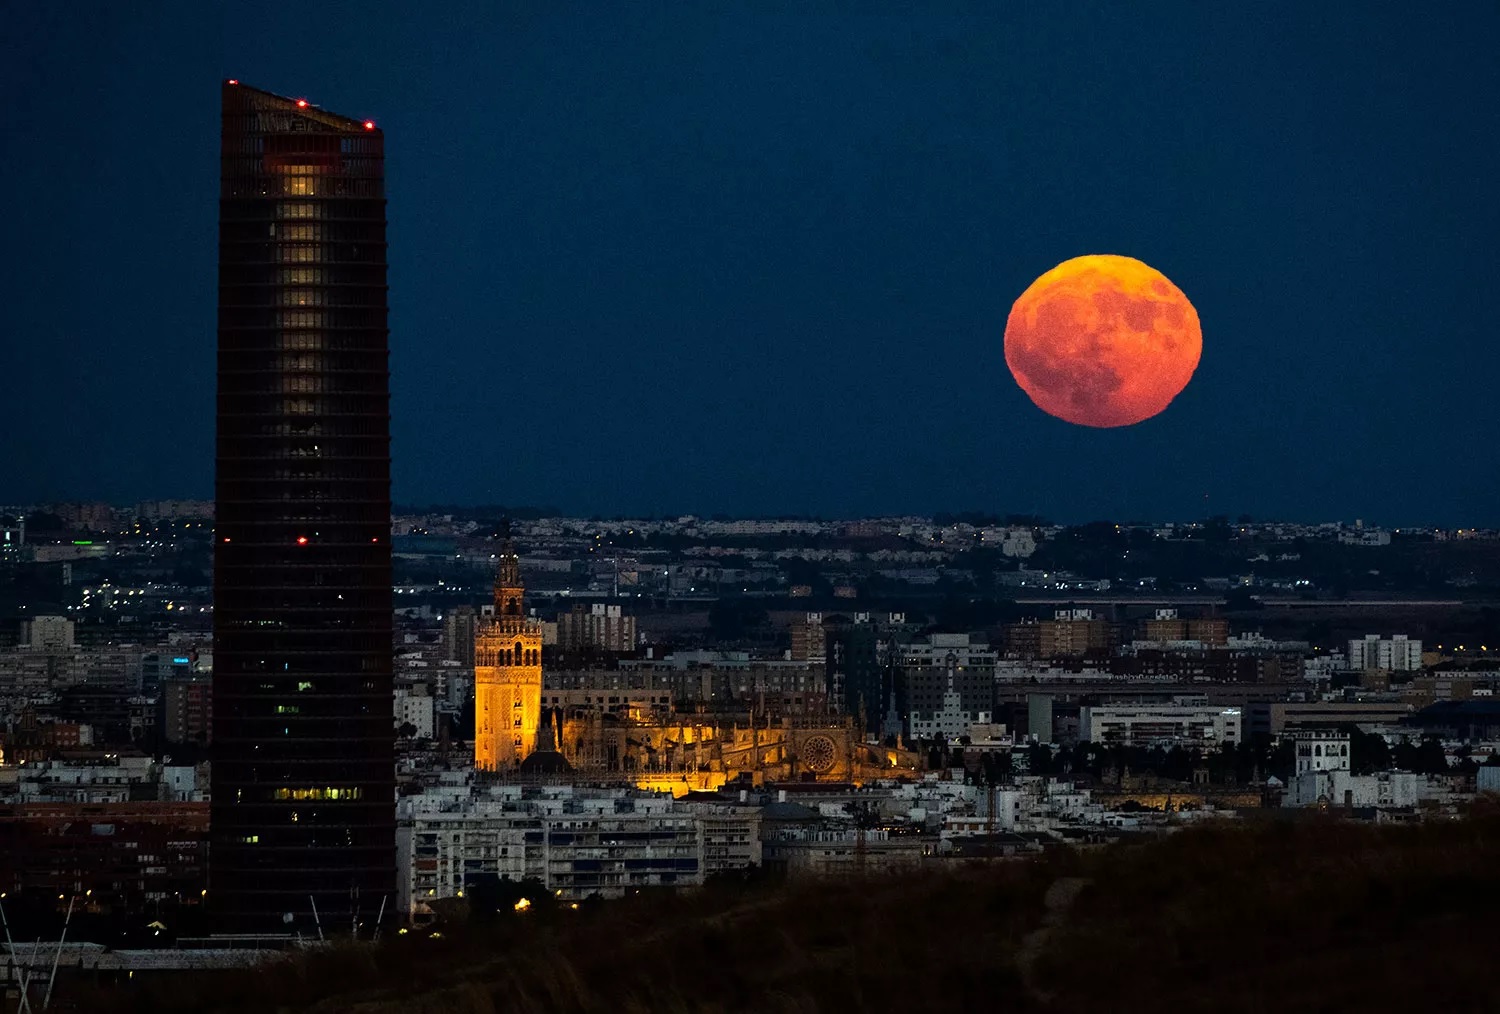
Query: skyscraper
<point x="303" y="773"/>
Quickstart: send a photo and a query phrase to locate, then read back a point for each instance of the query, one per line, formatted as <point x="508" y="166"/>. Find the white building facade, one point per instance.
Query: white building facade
<point x="1164" y="725"/>
<point x="577" y="841"/>
<point x="1397" y="653"/>
<point x="1324" y="777"/>
<point x="415" y="706"/>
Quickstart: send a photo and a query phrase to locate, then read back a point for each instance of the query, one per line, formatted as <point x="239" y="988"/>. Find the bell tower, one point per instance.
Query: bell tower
<point x="507" y="672"/>
<point x="509" y="592"/>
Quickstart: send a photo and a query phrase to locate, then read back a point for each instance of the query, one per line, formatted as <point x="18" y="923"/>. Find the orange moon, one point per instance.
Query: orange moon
<point x="1103" y="340"/>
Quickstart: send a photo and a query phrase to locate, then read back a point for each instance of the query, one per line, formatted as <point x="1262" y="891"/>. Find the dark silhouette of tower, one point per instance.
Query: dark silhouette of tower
<point x="853" y="670"/>
<point x="303" y="746"/>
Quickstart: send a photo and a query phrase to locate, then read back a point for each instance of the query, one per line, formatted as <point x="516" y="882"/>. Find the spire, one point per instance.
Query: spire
<point x="508" y="587"/>
<point x="509" y="573"/>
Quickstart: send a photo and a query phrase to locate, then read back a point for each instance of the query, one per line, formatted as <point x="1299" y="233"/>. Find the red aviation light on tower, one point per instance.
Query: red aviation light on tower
<point x="301" y="103"/>
<point x="234" y="81"/>
<point x="302" y="540"/>
<point x="369" y="124"/>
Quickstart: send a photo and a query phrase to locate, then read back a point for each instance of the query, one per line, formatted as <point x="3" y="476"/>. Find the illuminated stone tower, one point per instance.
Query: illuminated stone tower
<point x="507" y="674"/>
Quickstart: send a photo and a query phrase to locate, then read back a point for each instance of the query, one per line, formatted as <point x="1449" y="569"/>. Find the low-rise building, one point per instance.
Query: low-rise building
<point x="577" y="841"/>
<point x="1341" y="788"/>
<point x="1164" y="725"/>
<point x="48" y="633"/>
<point x="612" y="700"/>
<point x="1324" y="777"/>
<point x="1272" y="718"/>
<point x="127" y="856"/>
<point x="103" y="779"/>
<point x="821" y="848"/>
<point x="414" y="711"/>
<point x="1320" y="750"/>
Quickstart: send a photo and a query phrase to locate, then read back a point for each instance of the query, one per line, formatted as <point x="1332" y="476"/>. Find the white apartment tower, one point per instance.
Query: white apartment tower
<point x="1398" y="652"/>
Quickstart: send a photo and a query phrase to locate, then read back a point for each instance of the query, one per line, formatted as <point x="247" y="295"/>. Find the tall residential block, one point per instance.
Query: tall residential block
<point x="856" y="678"/>
<point x="809" y="641"/>
<point x="596" y="627"/>
<point x="458" y="635"/>
<point x="1075" y="632"/>
<point x="303" y="814"/>
<point x="1397" y="652"/>
<point x="1168" y="626"/>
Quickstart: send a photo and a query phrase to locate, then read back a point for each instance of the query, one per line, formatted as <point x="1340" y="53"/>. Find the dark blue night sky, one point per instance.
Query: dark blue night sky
<point x="656" y="259"/>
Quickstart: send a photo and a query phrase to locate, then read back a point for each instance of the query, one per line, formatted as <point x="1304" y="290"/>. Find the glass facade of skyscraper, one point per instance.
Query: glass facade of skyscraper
<point x="303" y="771"/>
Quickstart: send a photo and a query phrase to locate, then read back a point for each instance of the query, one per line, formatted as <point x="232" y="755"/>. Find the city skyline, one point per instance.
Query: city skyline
<point x="751" y="265"/>
<point x="856" y="349"/>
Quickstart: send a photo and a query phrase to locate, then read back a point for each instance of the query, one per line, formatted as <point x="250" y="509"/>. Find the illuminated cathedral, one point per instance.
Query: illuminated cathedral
<point x="672" y="753"/>
<point x="507" y="673"/>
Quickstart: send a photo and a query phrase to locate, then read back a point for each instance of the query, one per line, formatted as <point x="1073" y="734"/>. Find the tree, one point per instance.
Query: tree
<point x="1284" y="759"/>
<point x="1404" y="756"/>
<point x="1217" y="529"/>
<point x="1431" y="758"/>
<point x="1223" y="762"/>
<point x="732" y="619"/>
<point x="490" y="895"/>
<point x="1424" y="758"/>
<point x="42" y="522"/>
<point x="1239" y="600"/>
<point x="1368" y="752"/>
<point x="1040" y="759"/>
<point x="1004" y="767"/>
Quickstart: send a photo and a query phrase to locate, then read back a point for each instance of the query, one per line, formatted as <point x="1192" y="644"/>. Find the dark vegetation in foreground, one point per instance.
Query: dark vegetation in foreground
<point x="1265" y="915"/>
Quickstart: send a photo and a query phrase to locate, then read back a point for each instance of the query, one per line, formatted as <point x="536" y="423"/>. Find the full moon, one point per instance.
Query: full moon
<point x="1103" y="340"/>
